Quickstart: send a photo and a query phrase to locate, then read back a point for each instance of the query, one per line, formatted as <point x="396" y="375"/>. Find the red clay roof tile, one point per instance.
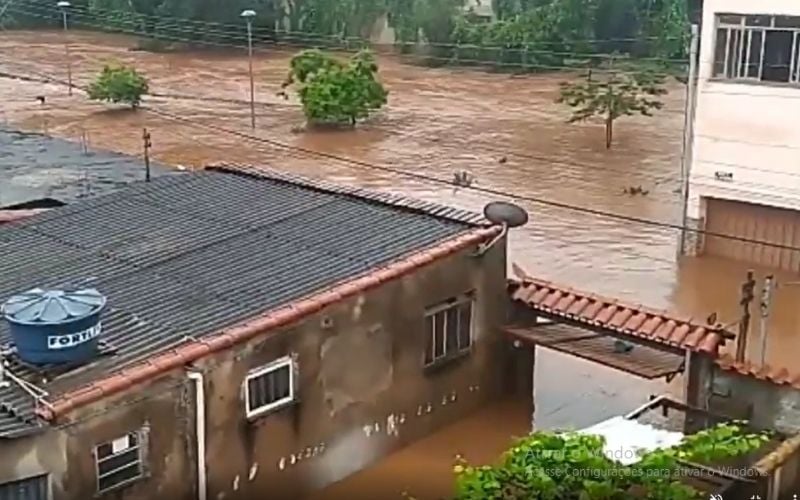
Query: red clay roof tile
<point x="8" y="216"/>
<point x="775" y="375"/>
<point x="636" y="321"/>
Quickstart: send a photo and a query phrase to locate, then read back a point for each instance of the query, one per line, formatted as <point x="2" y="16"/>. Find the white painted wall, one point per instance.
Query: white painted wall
<point x="749" y="130"/>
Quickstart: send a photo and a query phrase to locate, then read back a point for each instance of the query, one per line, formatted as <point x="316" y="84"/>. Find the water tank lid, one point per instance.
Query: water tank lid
<point x="42" y="307"/>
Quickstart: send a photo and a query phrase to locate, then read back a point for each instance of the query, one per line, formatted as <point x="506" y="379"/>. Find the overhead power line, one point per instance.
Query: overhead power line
<point x="656" y="180"/>
<point x="176" y="20"/>
<point x="494" y="192"/>
<point x="184" y="26"/>
<point x="76" y="19"/>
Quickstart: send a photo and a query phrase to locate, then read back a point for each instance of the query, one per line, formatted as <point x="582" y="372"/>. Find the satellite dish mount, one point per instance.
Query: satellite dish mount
<point x="505" y="215"/>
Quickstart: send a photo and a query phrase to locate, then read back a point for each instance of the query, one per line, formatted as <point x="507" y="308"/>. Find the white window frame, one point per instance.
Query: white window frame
<point x="744" y="45"/>
<point x="278" y="364"/>
<point x="140" y="447"/>
<point x="443" y="308"/>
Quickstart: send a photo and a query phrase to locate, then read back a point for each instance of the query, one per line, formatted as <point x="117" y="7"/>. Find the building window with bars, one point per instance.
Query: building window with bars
<point x="120" y="462"/>
<point x="757" y="48"/>
<point x="270" y="387"/>
<point x="448" y="330"/>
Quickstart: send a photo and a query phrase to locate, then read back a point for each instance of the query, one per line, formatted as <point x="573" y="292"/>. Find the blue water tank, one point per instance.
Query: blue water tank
<point x="55" y="326"/>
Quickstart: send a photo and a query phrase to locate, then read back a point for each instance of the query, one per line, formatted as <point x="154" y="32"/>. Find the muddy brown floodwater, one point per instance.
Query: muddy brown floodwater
<point x="438" y="122"/>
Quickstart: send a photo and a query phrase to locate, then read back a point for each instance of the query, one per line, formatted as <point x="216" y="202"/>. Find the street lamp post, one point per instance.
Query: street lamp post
<point x="248" y="16"/>
<point x="64" y="5"/>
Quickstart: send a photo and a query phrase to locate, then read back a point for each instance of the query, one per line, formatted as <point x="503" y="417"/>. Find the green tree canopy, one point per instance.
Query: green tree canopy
<point x="612" y="96"/>
<point x="334" y="91"/>
<point x="119" y="84"/>
<point x="571" y="466"/>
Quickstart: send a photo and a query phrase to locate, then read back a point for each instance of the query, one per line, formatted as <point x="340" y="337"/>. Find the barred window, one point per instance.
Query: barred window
<point x="757" y="48"/>
<point x="32" y="488"/>
<point x="270" y="387"/>
<point x="119" y="462"/>
<point x="448" y="329"/>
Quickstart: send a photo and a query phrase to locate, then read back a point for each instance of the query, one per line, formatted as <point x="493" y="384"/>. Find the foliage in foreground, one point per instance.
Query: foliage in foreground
<point x="334" y="91"/>
<point x="554" y="466"/>
<point x="620" y="94"/>
<point x="119" y="84"/>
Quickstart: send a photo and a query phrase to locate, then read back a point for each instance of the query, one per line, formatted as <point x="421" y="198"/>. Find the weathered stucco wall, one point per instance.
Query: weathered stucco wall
<point x="66" y="453"/>
<point x="363" y="390"/>
<point x="34" y="456"/>
<point x="769" y="405"/>
<point x="363" y="393"/>
<point x="165" y="411"/>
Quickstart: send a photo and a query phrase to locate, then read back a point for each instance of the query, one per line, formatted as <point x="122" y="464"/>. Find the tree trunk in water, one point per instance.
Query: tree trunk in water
<point x="609" y="130"/>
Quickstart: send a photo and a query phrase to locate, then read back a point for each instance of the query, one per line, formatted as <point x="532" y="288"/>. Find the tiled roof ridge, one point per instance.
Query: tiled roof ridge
<point x="637" y="321"/>
<point x="768" y="373"/>
<point x="193" y="350"/>
<point x="393" y="200"/>
<point x="8" y="216"/>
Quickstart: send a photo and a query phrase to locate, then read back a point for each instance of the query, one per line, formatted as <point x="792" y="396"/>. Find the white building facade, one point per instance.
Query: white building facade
<point x="745" y="173"/>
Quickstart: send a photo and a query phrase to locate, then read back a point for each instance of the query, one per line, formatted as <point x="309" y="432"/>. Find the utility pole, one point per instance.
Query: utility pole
<point x="744" y="324"/>
<point x="64" y="5"/>
<point x="147" y="146"/>
<point x="688" y="133"/>
<point x="766" y="306"/>
<point x="248" y="16"/>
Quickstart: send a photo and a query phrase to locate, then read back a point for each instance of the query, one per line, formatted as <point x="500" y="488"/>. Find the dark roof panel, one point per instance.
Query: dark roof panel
<point x="188" y="255"/>
<point x="39" y="171"/>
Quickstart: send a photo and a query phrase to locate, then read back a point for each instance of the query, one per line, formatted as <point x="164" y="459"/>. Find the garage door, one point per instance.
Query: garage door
<point x="753" y="222"/>
<point x="34" y="488"/>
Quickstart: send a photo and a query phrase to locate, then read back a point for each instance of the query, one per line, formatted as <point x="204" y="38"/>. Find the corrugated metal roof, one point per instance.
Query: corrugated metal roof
<point x="641" y="360"/>
<point x="35" y="166"/>
<point x="188" y="255"/>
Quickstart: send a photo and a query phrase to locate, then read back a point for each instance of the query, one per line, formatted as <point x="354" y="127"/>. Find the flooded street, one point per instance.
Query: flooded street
<point x="505" y="130"/>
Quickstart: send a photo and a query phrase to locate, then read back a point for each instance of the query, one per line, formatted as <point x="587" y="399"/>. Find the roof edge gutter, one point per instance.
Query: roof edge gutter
<point x="197" y="349"/>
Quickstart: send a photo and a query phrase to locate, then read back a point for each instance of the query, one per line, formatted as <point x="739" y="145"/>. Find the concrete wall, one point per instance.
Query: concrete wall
<point x="35" y="456"/>
<point x="767" y="405"/>
<point x="66" y="453"/>
<point x="363" y="390"/>
<point x="363" y="393"/>
<point x="746" y="129"/>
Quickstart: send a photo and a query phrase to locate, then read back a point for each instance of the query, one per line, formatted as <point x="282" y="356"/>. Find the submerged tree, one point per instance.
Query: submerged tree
<point x="119" y="84"/>
<point x="574" y="467"/>
<point x="334" y="91"/>
<point x="620" y="94"/>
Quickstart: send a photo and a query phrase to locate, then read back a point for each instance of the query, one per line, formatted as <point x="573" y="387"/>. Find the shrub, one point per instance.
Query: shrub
<point x="119" y="84"/>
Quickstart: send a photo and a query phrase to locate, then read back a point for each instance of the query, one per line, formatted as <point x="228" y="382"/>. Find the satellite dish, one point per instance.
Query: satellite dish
<point x="500" y="212"/>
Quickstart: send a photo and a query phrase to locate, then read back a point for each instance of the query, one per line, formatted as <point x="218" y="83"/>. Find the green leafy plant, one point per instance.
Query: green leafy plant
<point x="119" y="84"/>
<point x="334" y="91"/>
<point x="617" y="95"/>
<point x="572" y="466"/>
